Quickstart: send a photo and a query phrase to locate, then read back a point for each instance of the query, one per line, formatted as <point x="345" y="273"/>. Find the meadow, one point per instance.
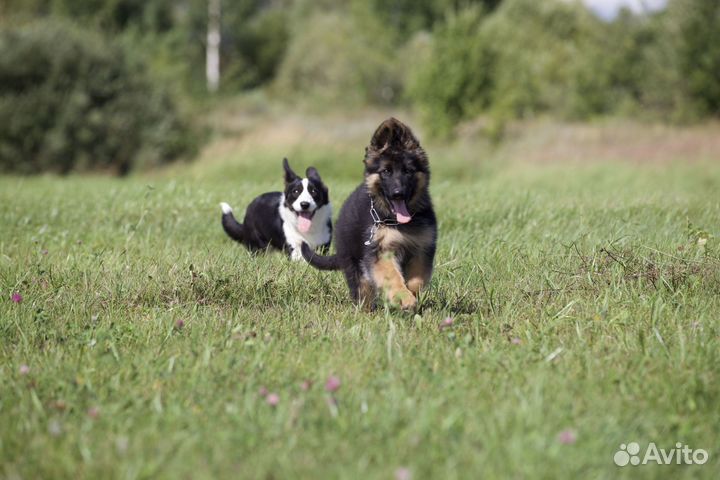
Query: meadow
<point x="574" y="308"/>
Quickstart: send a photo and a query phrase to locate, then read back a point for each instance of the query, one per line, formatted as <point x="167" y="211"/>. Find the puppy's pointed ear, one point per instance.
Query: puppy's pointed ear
<point x="408" y="138"/>
<point x="383" y="135"/>
<point x="313" y="174"/>
<point x="392" y="132"/>
<point x="290" y="176"/>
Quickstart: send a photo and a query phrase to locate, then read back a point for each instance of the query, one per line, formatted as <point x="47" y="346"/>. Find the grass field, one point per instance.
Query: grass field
<point x="584" y="300"/>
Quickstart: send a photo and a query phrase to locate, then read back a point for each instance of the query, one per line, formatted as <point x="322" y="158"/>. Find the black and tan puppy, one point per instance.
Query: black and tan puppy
<point x="386" y="232"/>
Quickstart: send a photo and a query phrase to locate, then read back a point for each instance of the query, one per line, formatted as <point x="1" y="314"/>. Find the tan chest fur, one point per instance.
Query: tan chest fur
<point x="390" y="239"/>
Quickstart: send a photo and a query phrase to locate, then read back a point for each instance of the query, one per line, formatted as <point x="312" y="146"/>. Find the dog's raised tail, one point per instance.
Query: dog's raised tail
<point x="232" y="227"/>
<point x="321" y="262"/>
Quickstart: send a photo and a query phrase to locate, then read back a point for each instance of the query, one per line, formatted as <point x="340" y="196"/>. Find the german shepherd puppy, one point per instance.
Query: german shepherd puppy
<point x="285" y="220"/>
<point x="386" y="232"/>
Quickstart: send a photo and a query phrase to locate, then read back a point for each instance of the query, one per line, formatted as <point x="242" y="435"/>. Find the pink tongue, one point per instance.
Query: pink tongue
<point x="304" y="223"/>
<point x="401" y="211"/>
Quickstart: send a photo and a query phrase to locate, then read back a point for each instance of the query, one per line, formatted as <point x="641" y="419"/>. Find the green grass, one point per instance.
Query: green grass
<point x="580" y="295"/>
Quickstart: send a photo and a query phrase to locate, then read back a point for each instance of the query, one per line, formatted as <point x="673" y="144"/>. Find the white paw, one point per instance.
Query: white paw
<point x="296" y="254"/>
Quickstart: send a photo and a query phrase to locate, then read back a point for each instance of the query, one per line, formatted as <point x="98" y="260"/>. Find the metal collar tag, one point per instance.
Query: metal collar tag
<point x="377" y="222"/>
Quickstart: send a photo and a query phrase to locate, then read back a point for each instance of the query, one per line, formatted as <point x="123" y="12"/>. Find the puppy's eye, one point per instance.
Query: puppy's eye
<point x="296" y="191"/>
<point x="385" y="172"/>
<point x="312" y="191"/>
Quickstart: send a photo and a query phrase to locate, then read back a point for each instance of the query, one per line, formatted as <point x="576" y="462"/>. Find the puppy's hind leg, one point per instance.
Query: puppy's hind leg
<point x="362" y="291"/>
<point x="366" y="293"/>
<point x="353" y="281"/>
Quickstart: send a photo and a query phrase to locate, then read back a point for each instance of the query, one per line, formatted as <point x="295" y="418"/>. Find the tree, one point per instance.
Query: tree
<point x="699" y="53"/>
<point x="212" y="63"/>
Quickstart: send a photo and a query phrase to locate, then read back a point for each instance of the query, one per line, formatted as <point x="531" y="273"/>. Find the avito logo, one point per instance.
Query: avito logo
<point x="680" y="455"/>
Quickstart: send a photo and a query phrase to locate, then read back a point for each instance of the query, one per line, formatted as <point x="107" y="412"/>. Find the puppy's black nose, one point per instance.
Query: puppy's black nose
<point x="398" y="194"/>
<point x="304" y="205"/>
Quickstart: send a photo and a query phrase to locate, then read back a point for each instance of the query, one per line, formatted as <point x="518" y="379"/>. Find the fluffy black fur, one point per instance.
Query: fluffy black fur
<point x="397" y="176"/>
<point x="267" y="221"/>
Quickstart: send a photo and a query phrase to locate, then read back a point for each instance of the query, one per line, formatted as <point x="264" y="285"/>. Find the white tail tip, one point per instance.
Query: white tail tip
<point x="225" y="207"/>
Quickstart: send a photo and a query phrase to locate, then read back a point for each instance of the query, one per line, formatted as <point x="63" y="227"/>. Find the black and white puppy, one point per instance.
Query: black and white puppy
<point x="284" y="220"/>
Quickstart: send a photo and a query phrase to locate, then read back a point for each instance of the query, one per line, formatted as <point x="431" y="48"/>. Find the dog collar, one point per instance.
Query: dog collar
<point x="377" y="221"/>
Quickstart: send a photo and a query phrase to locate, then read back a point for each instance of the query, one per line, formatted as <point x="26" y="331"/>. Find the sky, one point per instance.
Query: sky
<point x="609" y="8"/>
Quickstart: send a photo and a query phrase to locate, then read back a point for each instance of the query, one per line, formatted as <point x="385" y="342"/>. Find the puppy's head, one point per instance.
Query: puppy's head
<point x="304" y="196"/>
<point x="397" y="172"/>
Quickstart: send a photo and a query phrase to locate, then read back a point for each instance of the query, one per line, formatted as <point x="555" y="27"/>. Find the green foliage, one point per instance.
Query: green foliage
<point x="456" y="81"/>
<point x="334" y="59"/>
<point x="515" y="62"/>
<point x="171" y="35"/>
<point x="452" y="60"/>
<point x="71" y="101"/>
<point x="110" y="16"/>
<point x="253" y="50"/>
<point x="406" y="17"/>
<point x="699" y="52"/>
<point x="613" y="73"/>
<point x="556" y="57"/>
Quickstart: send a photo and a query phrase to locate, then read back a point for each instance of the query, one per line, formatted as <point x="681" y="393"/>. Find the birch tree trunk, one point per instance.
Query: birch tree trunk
<point x="212" y="55"/>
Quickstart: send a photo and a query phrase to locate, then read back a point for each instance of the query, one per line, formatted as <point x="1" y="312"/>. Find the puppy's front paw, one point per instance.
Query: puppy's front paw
<point x="405" y="299"/>
<point x="296" y="254"/>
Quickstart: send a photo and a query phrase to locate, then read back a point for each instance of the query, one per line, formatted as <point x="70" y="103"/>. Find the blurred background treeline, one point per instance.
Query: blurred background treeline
<point x="117" y="85"/>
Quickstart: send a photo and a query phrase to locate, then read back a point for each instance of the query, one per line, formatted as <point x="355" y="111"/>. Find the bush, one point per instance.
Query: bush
<point x="515" y="62"/>
<point x="613" y="70"/>
<point x="455" y="81"/>
<point x="334" y="59"/>
<point x="699" y="52"/>
<point x="539" y="45"/>
<point x="71" y="101"/>
<point x="252" y="50"/>
<point x="528" y="58"/>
